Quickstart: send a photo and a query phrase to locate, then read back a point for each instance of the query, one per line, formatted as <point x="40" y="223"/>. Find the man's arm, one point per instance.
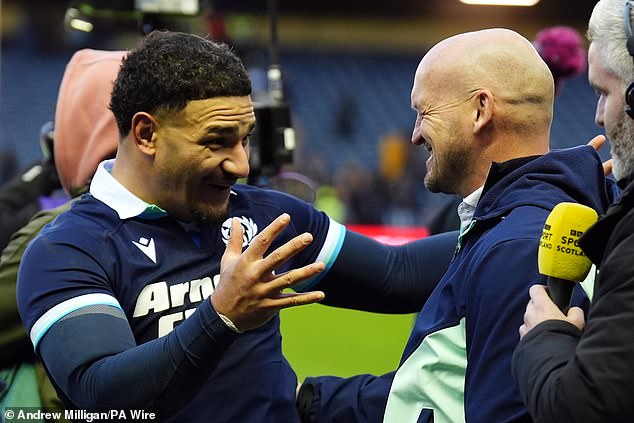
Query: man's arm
<point x="544" y="350"/>
<point x="358" y="399"/>
<point x="93" y="359"/>
<point x="371" y="276"/>
<point x="362" y="273"/>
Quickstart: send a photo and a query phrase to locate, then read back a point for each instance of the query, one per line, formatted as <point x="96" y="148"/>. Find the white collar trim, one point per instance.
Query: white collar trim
<point x="105" y="188"/>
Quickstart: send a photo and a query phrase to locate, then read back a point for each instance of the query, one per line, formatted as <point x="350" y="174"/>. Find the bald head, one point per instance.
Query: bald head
<point x="499" y="60"/>
<point x="481" y="97"/>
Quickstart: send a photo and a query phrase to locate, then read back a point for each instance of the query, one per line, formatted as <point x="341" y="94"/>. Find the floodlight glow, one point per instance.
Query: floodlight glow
<point x="75" y="19"/>
<point x="502" y="2"/>
<point x="81" y="25"/>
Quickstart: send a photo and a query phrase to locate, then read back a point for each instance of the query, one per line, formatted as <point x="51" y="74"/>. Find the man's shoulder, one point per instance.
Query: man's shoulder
<point x="81" y="219"/>
<point x="522" y="221"/>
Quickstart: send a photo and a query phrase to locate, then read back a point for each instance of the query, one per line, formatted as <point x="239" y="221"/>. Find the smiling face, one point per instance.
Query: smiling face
<point x="480" y="97"/>
<point x="442" y="129"/>
<point x="201" y="152"/>
<point x="619" y="127"/>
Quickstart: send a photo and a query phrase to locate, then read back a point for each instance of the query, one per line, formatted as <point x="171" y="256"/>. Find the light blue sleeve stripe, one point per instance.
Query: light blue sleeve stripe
<point x="328" y="254"/>
<point x="55" y="314"/>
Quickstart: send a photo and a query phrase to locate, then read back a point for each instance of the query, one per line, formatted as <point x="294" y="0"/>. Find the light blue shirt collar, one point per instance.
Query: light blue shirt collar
<point x="467" y="207"/>
<point x="105" y="188"/>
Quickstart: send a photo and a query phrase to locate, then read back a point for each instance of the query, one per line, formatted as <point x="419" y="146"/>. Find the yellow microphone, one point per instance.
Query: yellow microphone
<point x="559" y="256"/>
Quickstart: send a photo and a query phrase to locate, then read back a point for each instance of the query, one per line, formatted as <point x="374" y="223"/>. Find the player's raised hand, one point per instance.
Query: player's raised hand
<point x="249" y="292"/>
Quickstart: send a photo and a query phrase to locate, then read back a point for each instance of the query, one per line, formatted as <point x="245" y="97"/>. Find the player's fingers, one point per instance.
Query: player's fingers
<point x="286" y="251"/>
<point x="293" y="277"/>
<point x="262" y="241"/>
<point x="294" y="299"/>
<point x="234" y="245"/>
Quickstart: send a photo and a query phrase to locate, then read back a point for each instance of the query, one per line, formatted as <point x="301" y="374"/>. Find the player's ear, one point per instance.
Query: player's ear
<point x="144" y="128"/>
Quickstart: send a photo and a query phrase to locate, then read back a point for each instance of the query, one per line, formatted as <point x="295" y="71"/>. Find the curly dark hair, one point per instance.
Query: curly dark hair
<point x="169" y="69"/>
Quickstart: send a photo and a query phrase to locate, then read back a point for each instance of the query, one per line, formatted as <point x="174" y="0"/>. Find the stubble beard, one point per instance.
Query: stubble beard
<point x="622" y="148"/>
<point x="207" y="217"/>
<point x="193" y="209"/>
<point x="454" y="166"/>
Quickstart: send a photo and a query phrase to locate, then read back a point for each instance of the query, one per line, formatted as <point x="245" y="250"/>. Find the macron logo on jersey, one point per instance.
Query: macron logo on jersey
<point x="146" y="247"/>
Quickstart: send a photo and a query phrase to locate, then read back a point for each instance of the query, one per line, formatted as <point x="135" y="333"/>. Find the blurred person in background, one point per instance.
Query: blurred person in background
<point x="85" y="133"/>
<point x="569" y="367"/>
<point x="8" y="165"/>
<point x="33" y="189"/>
<point x="562" y="49"/>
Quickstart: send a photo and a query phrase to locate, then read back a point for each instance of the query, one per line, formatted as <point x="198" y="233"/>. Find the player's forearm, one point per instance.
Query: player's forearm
<point x="103" y="367"/>
<point x="387" y="279"/>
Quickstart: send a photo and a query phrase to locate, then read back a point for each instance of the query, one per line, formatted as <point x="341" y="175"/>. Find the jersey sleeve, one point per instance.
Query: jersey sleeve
<point x="362" y="273"/>
<point x="367" y="275"/>
<point x="91" y="355"/>
<point x="56" y="277"/>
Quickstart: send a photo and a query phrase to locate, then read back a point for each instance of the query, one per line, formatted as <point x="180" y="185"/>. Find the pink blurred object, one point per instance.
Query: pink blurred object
<point x="562" y="48"/>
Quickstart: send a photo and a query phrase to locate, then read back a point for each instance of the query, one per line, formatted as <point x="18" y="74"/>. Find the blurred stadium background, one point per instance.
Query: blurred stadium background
<point x="347" y="72"/>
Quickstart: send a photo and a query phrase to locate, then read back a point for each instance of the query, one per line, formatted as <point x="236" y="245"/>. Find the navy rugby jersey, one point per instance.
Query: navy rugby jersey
<point x="113" y="251"/>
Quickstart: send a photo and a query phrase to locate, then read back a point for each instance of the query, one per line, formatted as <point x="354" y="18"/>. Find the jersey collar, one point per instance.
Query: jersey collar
<point x="105" y="188"/>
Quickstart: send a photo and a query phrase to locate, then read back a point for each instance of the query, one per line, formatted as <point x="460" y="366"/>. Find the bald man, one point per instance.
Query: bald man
<point x="484" y="103"/>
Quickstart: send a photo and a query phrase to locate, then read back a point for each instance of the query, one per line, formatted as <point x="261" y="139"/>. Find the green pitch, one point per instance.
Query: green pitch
<point x="318" y="340"/>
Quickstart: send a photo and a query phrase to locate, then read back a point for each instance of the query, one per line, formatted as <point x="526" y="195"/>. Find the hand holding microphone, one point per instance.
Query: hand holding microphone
<point x="559" y="256"/>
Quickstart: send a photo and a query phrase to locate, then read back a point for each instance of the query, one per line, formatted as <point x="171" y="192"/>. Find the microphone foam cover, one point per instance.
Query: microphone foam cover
<point x="559" y="253"/>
